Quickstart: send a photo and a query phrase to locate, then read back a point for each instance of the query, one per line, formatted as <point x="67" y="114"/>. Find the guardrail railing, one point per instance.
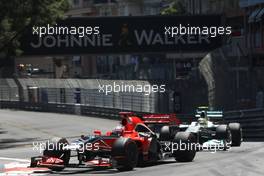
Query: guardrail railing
<point x="252" y="121"/>
<point x="61" y="97"/>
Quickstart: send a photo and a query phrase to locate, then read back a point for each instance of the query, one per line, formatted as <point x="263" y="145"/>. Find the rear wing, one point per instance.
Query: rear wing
<point x="214" y="115"/>
<point x="169" y="119"/>
<point x="125" y="114"/>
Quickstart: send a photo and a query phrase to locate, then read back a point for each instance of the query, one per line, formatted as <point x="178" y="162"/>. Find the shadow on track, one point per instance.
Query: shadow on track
<point x="106" y="171"/>
<point x="72" y="171"/>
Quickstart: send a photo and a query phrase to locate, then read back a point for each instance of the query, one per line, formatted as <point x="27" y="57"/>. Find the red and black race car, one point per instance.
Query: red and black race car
<point x="137" y="141"/>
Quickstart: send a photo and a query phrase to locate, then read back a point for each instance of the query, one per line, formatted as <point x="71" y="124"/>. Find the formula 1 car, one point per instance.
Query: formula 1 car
<point x="130" y="144"/>
<point x="211" y="131"/>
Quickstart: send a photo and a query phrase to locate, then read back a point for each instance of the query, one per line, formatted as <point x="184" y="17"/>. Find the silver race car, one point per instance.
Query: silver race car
<point x="212" y="132"/>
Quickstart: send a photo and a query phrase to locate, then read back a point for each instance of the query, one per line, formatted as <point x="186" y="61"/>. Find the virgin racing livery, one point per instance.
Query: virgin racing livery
<point x="211" y="133"/>
<point x="130" y="144"/>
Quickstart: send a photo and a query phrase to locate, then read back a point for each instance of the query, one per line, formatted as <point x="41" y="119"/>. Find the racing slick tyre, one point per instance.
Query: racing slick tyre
<point x="153" y="150"/>
<point x="54" y="148"/>
<point x="154" y="153"/>
<point x="236" y="132"/>
<point x="223" y="133"/>
<point x="167" y="133"/>
<point x="186" y="148"/>
<point x="125" y="154"/>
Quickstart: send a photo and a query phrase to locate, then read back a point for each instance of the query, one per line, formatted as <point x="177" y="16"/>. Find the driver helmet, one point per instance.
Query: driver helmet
<point x="202" y="121"/>
<point x="202" y="115"/>
<point x="118" y="130"/>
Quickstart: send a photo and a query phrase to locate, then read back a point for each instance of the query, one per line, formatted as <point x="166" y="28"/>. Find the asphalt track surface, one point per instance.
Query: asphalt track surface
<point x="19" y="129"/>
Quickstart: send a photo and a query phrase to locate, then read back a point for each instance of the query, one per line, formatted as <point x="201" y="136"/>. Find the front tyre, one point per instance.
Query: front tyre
<point x="186" y="147"/>
<point x="236" y="132"/>
<point x="223" y="133"/>
<point x="167" y="133"/>
<point x="125" y="153"/>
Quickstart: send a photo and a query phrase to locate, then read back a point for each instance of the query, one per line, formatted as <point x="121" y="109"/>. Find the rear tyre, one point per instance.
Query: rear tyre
<point x="153" y="151"/>
<point x="236" y="132"/>
<point x="125" y="153"/>
<point x="186" y="148"/>
<point x="153" y="154"/>
<point x="223" y="133"/>
<point x="167" y="133"/>
<point x="54" y="148"/>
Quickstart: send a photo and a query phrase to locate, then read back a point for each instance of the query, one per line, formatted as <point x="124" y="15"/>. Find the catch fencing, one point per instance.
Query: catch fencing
<point x="42" y="93"/>
<point x="8" y="90"/>
<point x="81" y="96"/>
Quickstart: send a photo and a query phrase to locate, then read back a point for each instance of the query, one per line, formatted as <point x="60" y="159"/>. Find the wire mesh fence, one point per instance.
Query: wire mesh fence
<point x="84" y="92"/>
<point x="77" y="96"/>
<point x="8" y="90"/>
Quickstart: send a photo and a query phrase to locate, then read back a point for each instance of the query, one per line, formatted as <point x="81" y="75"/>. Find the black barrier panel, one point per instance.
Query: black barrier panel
<point x="125" y="35"/>
<point x="252" y="122"/>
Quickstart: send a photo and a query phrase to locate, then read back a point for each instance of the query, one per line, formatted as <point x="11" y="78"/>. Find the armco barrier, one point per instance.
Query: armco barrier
<point x="40" y="107"/>
<point x="87" y="92"/>
<point x="252" y="121"/>
<point x="109" y="113"/>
